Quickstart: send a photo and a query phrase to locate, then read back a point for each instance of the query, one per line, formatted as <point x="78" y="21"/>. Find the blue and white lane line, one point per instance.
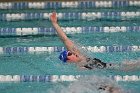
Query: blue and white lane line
<point x="60" y="78"/>
<point x="67" y="30"/>
<point x="68" y="4"/>
<point x="98" y="49"/>
<point x="113" y="15"/>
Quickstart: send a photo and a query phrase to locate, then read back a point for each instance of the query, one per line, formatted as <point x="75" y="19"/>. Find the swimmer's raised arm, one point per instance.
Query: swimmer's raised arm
<point x="68" y="43"/>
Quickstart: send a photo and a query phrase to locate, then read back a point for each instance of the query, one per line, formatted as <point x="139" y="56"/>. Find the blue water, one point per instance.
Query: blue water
<point x="45" y="63"/>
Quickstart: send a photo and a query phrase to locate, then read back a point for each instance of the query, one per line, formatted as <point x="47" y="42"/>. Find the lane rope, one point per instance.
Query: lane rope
<point x="58" y="78"/>
<point x="67" y="30"/>
<point x="109" y="15"/>
<point x="68" y="4"/>
<point x="99" y="49"/>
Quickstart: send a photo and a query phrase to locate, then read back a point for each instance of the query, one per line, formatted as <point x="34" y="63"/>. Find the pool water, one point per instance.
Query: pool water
<point x="47" y="63"/>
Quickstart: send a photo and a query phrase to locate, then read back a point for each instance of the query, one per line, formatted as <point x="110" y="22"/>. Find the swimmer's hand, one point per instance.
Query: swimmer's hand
<point x="53" y="17"/>
<point x="83" y="68"/>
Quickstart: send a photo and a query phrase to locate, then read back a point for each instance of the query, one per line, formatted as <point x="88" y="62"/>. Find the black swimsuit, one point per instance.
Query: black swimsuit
<point x="95" y="63"/>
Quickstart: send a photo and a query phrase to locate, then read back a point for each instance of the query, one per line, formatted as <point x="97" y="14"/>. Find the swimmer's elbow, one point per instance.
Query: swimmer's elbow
<point x="64" y="38"/>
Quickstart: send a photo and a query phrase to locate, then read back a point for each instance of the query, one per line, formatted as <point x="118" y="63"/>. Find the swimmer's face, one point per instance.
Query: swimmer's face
<point x="71" y="57"/>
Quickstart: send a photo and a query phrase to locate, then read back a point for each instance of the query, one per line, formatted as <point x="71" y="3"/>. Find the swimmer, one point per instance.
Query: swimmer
<point x="73" y="54"/>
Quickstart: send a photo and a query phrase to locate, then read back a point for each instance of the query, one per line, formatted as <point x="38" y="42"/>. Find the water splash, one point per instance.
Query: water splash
<point x="84" y="51"/>
<point x="131" y="65"/>
<point x="92" y="84"/>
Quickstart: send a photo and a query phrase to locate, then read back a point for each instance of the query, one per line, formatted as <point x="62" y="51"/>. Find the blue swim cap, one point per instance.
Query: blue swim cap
<point x="63" y="56"/>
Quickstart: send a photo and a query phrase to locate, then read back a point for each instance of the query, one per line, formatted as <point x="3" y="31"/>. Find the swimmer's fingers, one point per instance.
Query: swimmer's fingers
<point x="54" y="14"/>
<point x="83" y="68"/>
<point x="53" y="17"/>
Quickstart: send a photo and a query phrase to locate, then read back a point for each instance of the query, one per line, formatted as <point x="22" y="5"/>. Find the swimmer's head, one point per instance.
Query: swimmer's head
<point x="67" y="56"/>
<point x="63" y="56"/>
